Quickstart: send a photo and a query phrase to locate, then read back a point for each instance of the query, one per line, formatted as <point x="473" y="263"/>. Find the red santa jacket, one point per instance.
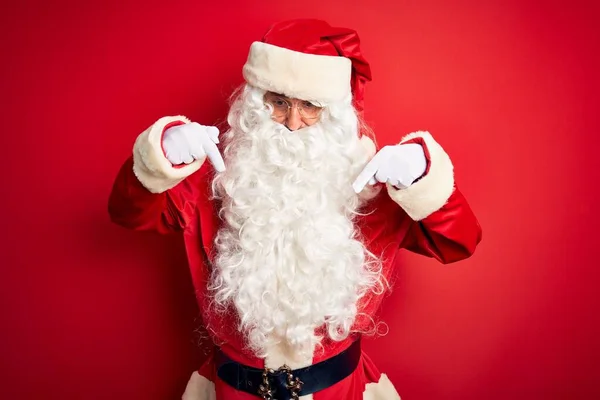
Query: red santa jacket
<point x="431" y="218"/>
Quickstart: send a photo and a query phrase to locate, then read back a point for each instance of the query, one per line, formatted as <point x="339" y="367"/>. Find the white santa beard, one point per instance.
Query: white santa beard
<point x="288" y="256"/>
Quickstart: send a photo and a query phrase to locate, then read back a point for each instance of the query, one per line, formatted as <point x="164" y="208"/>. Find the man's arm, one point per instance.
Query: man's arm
<point x="149" y="193"/>
<point x="449" y="234"/>
<point x="444" y="226"/>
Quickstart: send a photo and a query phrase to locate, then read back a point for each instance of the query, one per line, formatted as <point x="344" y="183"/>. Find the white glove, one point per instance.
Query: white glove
<point x="189" y="142"/>
<point x="398" y="165"/>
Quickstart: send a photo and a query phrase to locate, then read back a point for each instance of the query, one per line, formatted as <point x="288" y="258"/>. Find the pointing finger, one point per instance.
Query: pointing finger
<point x="367" y="173"/>
<point x="214" y="156"/>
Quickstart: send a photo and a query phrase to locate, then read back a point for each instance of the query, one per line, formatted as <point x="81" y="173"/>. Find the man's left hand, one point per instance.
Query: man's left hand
<point x="398" y="165"/>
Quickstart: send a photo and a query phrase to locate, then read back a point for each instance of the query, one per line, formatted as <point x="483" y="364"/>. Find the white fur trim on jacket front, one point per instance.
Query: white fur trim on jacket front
<point x="382" y="390"/>
<point x="432" y="191"/>
<point x="150" y="165"/>
<point x="305" y="76"/>
<point x="199" y="388"/>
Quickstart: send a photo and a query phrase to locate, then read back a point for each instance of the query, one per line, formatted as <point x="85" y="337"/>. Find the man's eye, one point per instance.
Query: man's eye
<point x="308" y="105"/>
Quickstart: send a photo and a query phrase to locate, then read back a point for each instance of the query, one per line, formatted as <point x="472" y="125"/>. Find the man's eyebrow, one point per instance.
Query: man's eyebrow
<point x="278" y="95"/>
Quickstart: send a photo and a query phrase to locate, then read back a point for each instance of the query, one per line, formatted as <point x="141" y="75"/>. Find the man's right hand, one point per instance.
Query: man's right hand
<point x="185" y="143"/>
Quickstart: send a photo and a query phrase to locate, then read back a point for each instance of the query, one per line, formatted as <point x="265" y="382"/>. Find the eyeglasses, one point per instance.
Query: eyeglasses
<point x="282" y="106"/>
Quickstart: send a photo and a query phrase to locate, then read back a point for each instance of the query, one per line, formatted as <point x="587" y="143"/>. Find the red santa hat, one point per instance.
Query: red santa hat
<point x="310" y="60"/>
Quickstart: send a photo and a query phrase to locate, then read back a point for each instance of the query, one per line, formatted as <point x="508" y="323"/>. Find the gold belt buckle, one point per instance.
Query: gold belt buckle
<point x="294" y="385"/>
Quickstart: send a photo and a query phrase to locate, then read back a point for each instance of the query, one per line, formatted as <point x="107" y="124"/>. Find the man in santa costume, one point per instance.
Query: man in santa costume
<point x="293" y="225"/>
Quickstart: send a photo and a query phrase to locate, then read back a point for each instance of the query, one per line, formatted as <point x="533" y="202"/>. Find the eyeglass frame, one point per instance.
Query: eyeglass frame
<point x="290" y="104"/>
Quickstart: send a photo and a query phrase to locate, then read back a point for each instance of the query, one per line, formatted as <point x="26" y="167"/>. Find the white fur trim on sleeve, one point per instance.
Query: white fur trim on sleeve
<point x="150" y="165"/>
<point x="382" y="390"/>
<point x="431" y="192"/>
<point x="295" y="74"/>
<point x="199" y="388"/>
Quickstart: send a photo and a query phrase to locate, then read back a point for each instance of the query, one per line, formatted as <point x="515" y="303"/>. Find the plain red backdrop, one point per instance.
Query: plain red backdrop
<point x="509" y="88"/>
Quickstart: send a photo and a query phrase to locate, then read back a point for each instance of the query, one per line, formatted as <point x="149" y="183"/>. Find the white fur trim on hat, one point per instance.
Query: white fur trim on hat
<point x="150" y="165"/>
<point x="299" y="75"/>
<point x="431" y="192"/>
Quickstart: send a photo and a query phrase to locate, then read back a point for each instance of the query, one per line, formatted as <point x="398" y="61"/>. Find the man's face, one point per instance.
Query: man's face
<point x="293" y="113"/>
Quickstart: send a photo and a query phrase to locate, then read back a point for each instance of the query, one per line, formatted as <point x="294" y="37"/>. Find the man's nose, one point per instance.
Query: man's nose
<point x="294" y="120"/>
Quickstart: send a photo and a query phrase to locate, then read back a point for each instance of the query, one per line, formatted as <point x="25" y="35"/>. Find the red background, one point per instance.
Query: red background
<point x="509" y="88"/>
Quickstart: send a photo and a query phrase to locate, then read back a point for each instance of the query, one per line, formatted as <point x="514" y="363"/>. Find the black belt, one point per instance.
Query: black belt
<point x="285" y="383"/>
